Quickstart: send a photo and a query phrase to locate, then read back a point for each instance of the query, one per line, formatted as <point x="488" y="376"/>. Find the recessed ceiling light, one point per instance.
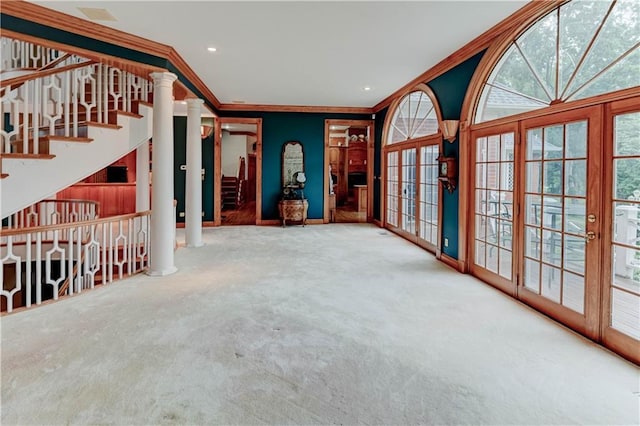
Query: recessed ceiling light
<point x="366" y="88"/>
<point x="211" y="49"/>
<point x="237" y="101"/>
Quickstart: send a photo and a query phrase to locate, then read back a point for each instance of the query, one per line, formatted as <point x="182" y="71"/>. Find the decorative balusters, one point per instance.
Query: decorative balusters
<point x="23" y="55"/>
<point x="87" y="98"/>
<point x="10" y="258"/>
<point x="70" y="258"/>
<point x="53" y="212"/>
<point x="52" y="101"/>
<point x="40" y="106"/>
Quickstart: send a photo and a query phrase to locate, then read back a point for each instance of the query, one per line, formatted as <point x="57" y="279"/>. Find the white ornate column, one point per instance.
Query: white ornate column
<point x="193" y="191"/>
<point x="161" y="260"/>
<point x="142" y="177"/>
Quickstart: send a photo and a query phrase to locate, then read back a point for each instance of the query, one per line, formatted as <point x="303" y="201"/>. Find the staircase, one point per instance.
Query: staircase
<point x="63" y="118"/>
<point x="229" y="192"/>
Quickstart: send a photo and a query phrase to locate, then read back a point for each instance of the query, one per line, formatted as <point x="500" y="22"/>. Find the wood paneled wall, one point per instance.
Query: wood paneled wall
<point x="114" y="198"/>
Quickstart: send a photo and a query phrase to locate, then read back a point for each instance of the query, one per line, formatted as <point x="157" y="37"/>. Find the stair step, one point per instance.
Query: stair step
<point x="43" y="143"/>
<point x="27" y="156"/>
<point x="17" y="146"/>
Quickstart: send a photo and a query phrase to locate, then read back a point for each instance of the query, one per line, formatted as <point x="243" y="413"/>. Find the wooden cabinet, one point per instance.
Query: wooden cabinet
<point x="357" y="153"/>
<point x="361" y="197"/>
<point x="293" y="211"/>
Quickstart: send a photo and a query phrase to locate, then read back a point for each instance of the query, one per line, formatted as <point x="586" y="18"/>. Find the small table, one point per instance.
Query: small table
<point x="293" y="211"/>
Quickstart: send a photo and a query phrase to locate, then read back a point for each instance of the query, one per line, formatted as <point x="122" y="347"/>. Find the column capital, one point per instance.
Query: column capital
<point x="194" y="102"/>
<point x="163" y="77"/>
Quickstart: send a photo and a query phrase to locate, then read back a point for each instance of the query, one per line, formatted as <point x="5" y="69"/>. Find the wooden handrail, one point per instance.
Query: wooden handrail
<point x="69" y="200"/>
<point x="55" y="62"/>
<point x="46" y="228"/>
<point x="38" y="74"/>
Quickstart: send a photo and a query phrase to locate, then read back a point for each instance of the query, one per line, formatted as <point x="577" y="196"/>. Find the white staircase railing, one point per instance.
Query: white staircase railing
<point x="61" y="99"/>
<point x="53" y="212"/>
<point x="20" y="55"/>
<point x="51" y="261"/>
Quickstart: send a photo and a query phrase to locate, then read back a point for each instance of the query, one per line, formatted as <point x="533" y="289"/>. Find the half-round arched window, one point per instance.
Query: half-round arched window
<point x="415" y="116"/>
<point x="578" y="50"/>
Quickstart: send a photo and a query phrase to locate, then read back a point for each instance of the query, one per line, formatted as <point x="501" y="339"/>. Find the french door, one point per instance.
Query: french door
<point x="412" y="197"/>
<point x="621" y="262"/>
<point x="557" y="218"/>
<point x="561" y="217"/>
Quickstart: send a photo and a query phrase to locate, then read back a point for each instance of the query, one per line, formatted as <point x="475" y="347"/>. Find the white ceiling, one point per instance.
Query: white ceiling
<point x="301" y="52"/>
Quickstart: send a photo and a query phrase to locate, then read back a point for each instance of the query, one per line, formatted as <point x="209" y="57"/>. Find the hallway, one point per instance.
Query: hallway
<point x="326" y="324"/>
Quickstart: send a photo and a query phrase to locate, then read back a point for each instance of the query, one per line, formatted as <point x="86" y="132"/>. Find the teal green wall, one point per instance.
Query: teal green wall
<point x="308" y="128"/>
<point x="450" y="89"/>
<point x="179" y="176"/>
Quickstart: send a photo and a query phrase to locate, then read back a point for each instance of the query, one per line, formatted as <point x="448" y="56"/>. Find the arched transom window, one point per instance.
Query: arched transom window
<point x="579" y="50"/>
<point x="415" y="116"/>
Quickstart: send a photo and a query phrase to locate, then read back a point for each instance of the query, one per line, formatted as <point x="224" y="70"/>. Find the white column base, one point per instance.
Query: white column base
<point x="163" y="273"/>
<point x="196" y="245"/>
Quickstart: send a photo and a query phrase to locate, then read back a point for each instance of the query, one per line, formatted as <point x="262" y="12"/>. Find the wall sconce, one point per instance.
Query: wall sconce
<point x="205" y="131"/>
<point x="449" y="128"/>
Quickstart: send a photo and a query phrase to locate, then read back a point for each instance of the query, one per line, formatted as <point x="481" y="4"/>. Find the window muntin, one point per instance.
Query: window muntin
<point x="414" y="117"/>
<point x="578" y="50"/>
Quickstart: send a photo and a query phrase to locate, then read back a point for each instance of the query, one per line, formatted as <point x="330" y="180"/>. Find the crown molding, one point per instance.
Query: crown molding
<point x="295" y="108"/>
<point x="475" y="46"/>
<point x="61" y="21"/>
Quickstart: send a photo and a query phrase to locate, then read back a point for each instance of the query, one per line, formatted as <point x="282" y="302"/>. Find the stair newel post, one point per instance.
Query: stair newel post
<point x="161" y="250"/>
<point x="193" y="190"/>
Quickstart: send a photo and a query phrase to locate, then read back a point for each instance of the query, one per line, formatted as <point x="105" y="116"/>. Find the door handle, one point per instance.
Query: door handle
<point x="589" y="236"/>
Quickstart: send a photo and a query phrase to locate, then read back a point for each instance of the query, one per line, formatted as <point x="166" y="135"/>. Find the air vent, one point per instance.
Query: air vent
<point x="97" y="14"/>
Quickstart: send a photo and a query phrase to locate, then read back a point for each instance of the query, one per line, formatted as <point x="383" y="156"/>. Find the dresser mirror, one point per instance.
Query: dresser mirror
<point x="292" y="164"/>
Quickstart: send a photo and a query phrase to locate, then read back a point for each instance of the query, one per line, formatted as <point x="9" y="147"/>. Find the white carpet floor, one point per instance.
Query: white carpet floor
<point x="326" y="324"/>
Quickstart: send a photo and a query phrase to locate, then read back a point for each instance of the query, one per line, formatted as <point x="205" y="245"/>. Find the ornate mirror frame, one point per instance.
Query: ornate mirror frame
<point x="292" y="163"/>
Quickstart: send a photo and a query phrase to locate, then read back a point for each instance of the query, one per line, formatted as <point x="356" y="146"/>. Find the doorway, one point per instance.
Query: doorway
<point x="348" y="170"/>
<point x="412" y="190"/>
<point x="238" y="171"/>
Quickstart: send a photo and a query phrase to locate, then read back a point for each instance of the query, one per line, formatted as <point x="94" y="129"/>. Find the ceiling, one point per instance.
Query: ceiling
<point x="301" y="52"/>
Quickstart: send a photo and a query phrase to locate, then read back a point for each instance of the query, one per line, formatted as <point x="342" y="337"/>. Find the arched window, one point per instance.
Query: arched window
<point x="578" y="50"/>
<point x="411" y="168"/>
<point x="554" y="194"/>
<point x="414" y="117"/>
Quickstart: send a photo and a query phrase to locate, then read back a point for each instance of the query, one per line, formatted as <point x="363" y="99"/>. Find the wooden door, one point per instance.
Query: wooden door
<point x="621" y="233"/>
<point x="561" y="217"/>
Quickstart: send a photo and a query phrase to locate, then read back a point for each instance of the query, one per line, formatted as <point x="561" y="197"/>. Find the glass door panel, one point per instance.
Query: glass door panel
<point x="392" y="188"/>
<point x="428" y="191"/>
<point x="555" y="209"/>
<point x="625" y="246"/>
<point x="408" y="193"/>
<point x="493" y="218"/>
